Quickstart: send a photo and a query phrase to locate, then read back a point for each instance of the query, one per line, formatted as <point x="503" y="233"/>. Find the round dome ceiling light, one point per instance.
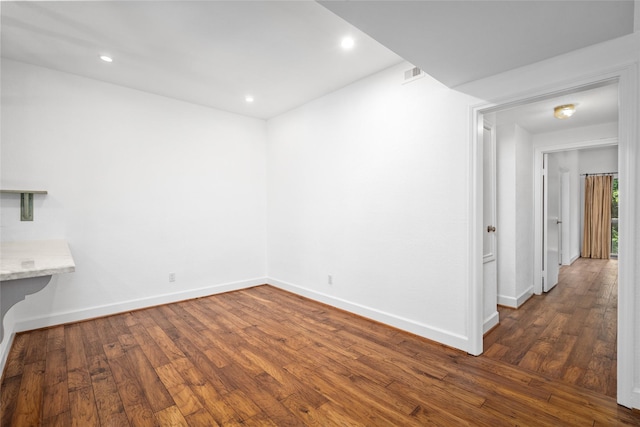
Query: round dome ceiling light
<point x="564" y="111"/>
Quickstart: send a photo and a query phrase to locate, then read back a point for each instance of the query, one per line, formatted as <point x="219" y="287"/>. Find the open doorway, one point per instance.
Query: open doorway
<point x="569" y="331"/>
<point x="560" y="198"/>
<point x="519" y="235"/>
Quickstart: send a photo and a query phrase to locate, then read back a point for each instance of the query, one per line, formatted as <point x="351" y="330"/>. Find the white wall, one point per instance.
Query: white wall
<point x="573" y="230"/>
<point x="139" y="185"/>
<point x="506" y="210"/>
<point x="524" y="216"/>
<point x="515" y="219"/>
<point x="598" y="160"/>
<point x="594" y="133"/>
<point x="575" y="203"/>
<point x="369" y="184"/>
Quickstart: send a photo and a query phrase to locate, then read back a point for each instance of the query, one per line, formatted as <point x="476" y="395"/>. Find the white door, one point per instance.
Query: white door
<point x="551" y="223"/>
<point x="489" y="257"/>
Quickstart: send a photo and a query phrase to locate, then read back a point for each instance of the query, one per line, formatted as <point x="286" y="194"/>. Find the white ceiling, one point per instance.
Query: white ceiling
<point x="593" y="106"/>
<point x="287" y="53"/>
<point x="461" y="41"/>
<point x="211" y="53"/>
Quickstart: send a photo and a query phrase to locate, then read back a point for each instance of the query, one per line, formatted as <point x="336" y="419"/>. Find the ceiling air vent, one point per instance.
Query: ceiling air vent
<point x="412" y="74"/>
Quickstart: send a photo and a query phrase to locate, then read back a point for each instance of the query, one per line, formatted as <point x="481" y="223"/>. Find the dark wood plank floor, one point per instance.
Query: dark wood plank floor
<point x="568" y="333"/>
<point x="261" y="357"/>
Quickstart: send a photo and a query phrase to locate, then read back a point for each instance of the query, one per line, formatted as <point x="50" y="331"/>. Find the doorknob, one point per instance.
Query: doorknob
<point x="558" y="221"/>
<point x="490" y="228"/>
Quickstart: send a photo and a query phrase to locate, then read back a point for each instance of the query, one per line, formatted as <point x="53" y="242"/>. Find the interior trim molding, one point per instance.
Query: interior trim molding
<point x="515" y="302"/>
<point x="635" y="398"/>
<point x="507" y="301"/>
<point x="426" y="331"/>
<point x="491" y="322"/>
<point x="524" y="297"/>
<point x="8" y="336"/>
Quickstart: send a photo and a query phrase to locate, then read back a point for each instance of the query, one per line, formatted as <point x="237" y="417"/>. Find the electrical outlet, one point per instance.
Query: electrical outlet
<point x="330" y="279"/>
<point x="172" y="277"/>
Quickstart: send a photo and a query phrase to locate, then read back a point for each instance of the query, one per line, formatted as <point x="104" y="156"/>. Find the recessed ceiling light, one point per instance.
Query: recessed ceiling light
<point x="106" y="58"/>
<point x="347" y="43"/>
<point x="564" y="111"/>
<point x="249" y="99"/>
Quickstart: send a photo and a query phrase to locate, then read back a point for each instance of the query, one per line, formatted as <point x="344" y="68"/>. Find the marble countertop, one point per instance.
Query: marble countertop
<point x="24" y="259"/>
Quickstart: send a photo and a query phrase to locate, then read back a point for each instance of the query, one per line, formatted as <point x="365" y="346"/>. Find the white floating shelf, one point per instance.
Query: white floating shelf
<point x="26" y="202"/>
<point x="24" y="191"/>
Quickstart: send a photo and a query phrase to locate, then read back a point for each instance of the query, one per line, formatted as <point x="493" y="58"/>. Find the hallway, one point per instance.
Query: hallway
<point x="568" y="333"/>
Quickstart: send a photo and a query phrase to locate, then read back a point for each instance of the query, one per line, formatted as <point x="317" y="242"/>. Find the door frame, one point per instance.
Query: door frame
<point x="538" y="228"/>
<point x="626" y="77"/>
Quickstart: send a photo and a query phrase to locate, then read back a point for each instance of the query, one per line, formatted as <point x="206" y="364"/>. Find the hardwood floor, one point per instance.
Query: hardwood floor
<point x="261" y="357"/>
<point x="568" y="333"/>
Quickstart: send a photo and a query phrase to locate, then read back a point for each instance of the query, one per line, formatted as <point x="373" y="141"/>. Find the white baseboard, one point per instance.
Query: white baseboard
<point x="515" y="302"/>
<point x="490" y="322"/>
<point x="421" y="329"/>
<point x="635" y="398"/>
<point x="4" y="349"/>
<point x="22" y="325"/>
<point x="523" y="297"/>
<point x="507" y="301"/>
<point x="121" y="307"/>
